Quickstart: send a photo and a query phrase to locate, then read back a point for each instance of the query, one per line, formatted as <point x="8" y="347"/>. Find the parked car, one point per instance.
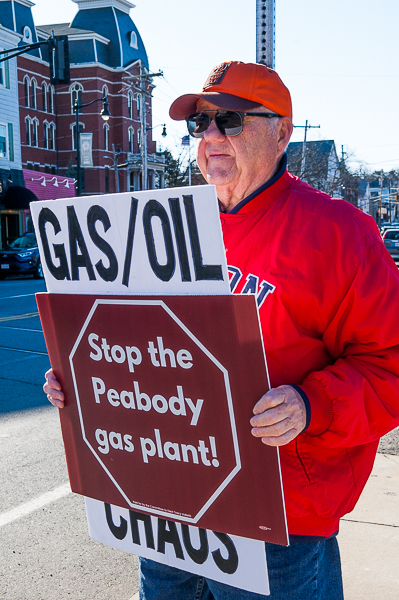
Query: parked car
<point x="21" y="257"/>
<point x="390" y="238"/>
<point x="386" y="226"/>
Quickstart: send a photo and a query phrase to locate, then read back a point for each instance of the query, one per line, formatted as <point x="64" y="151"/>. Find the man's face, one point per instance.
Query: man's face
<point x="239" y="164"/>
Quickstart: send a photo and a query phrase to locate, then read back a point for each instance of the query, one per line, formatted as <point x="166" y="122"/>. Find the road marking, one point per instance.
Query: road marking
<point x="26" y="351"/>
<point x="16" y="317"/>
<point x="20" y="296"/>
<point x="28" y="507"/>
<point x="20" y="328"/>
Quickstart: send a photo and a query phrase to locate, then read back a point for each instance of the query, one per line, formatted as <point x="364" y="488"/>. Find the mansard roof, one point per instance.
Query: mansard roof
<point x="102" y="32"/>
<point x="17" y="17"/>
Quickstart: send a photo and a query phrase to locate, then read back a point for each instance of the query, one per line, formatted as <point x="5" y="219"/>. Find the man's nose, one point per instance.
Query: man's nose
<point x="213" y="133"/>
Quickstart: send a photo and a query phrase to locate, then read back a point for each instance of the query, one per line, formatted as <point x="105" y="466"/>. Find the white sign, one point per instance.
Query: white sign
<point x="232" y="560"/>
<point x="165" y="241"/>
<point x="157" y="242"/>
<point x="86" y="146"/>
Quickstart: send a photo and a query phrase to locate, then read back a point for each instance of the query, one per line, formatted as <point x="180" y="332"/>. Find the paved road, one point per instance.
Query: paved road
<point x="45" y="550"/>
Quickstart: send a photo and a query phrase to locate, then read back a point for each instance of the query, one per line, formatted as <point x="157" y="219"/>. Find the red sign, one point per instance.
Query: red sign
<point x="158" y="407"/>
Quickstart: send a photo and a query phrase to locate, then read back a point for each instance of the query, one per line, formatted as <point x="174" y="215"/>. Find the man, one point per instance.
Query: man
<point x="328" y="320"/>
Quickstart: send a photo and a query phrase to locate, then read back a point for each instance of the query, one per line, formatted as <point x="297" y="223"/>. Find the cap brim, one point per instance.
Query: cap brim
<point x="186" y="105"/>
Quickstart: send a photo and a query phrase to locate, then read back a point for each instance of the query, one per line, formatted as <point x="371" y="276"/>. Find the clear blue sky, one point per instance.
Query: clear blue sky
<point x="339" y="59"/>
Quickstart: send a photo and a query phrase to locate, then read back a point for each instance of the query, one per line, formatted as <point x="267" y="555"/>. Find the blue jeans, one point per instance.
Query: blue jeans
<point x="303" y="571"/>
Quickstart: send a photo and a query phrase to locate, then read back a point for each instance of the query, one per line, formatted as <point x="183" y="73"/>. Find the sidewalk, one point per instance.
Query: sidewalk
<point x="369" y="536"/>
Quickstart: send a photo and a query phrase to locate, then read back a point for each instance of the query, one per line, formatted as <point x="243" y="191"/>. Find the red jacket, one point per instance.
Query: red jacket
<point x="328" y="295"/>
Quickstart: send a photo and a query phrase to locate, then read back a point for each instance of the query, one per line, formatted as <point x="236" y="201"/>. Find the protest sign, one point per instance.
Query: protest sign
<point x="161" y="390"/>
<point x="154" y="242"/>
<point x="232" y="560"/>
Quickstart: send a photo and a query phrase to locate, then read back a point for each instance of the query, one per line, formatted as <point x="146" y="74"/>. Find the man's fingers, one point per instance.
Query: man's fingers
<point x="281" y="440"/>
<point x="269" y="400"/>
<point x="279" y="416"/>
<point x="52" y="388"/>
<point x="51" y="380"/>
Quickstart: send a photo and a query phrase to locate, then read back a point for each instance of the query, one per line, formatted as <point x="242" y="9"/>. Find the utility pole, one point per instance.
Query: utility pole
<point x="380" y="200"/>
<point x="142" y="92"/>
<point x="265" y="32"/>
<point x="303" y="160"/>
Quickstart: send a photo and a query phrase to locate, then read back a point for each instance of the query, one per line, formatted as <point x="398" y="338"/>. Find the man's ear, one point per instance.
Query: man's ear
<point x="284" y="133"/>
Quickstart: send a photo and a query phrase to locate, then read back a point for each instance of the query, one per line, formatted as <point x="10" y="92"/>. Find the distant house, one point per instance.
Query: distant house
<point x="318" y="165"/>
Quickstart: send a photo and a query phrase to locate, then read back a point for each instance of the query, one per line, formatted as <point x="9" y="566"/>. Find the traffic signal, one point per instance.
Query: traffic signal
<point x="59" y="60"/>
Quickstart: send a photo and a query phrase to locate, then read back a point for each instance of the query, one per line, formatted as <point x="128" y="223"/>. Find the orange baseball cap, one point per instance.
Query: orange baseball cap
<point x="238" y="86"/>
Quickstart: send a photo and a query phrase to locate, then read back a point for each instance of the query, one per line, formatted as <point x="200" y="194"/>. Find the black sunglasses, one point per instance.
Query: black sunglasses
<point x="229" y="122"/>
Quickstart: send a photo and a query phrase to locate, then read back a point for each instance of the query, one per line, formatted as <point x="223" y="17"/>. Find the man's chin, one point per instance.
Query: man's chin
<point x="219" y="178"/>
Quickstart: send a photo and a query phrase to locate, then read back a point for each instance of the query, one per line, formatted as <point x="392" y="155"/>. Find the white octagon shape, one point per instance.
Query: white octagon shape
<point x="141" y="507"/>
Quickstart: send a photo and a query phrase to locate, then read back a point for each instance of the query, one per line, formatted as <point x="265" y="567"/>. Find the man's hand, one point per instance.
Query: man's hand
<point x="280" y="415"/>
<point x="52" y="388"/>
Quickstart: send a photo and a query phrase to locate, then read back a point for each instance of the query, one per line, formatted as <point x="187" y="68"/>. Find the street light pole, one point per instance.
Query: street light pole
<point x="105" y="115"/>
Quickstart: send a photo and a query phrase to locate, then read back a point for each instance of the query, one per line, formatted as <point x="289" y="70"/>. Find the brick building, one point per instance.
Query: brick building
<point x="105" y="49"/>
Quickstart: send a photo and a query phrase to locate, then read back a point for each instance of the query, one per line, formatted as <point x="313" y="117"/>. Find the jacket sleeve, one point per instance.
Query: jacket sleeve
<point x="356" y="399"/>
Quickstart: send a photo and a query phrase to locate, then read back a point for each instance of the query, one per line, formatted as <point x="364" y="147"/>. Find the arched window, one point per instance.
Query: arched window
<point x="105" y="91"/>
<point x="28" y="130"/>
<point x="76" y="90"/>
<point x="106" y="136"/>
<point x="35" y="124"/>
<point x="133" y="39"/>
<point x="26" y="90"/>
<point x="131" y="138"/>
<point x="130" y="105"/>
<point x="139" y="138"/>
<point x="45" y="134"/>
<point x="51" y="137"/>
<point x="51" y="99"/>
<point x="44" y="96"/>
<point x="138" y="100"/>
<point x="33" y="93"/>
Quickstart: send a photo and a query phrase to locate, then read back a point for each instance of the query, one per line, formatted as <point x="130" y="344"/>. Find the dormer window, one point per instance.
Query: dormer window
<point x="133" y="39"/>
<point x="27" y="33"/>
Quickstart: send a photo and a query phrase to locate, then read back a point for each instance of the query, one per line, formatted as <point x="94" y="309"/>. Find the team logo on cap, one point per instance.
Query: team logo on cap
<point x="217" y="75"/>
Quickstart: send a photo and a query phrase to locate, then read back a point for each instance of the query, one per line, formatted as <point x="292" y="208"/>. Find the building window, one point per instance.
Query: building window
<point x="51" y="99"/>
<point x="130" y="105"/>
<point x="105" y="91"/>
<point x="45" y="135"/>
<point x="130" y="138"/>
<point x="3" y="141"/>
<point x="53" y="170"/>
<point x="133" y="39"/>
<point x="36" y="167"/>
<point x="76" y="94"/>
<point x="138" y="101"/>
<point x="47" y="169"/>
<point x="73" y="128"/>
<point x="139" y="138"/>
<point x="29" y="166"/>
<point x="33" y="93"/>
<point x="51" y="138"/>
<point x="2" y="74"/>
<point x="28" y="131"/>
<point x="35" y="124"/>
<point x="44" y="97"/>
<point x="26" y="90"/>
<point x="106" y="170"/>
<point x="106" y="136"/>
